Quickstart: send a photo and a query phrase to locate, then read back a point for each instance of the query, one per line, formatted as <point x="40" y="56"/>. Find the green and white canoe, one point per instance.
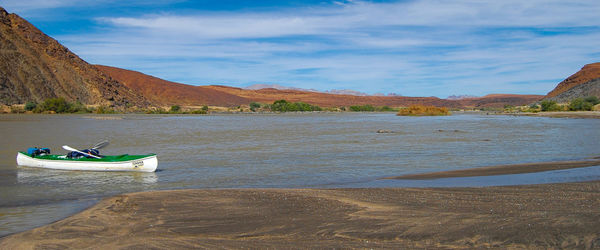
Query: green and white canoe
<point x="136" y="163"/>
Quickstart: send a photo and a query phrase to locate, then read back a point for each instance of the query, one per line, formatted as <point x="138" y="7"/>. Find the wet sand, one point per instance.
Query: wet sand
<point x="502" y="170"/>
<point x="564" y="114"/>
<point x="536" y="216"/>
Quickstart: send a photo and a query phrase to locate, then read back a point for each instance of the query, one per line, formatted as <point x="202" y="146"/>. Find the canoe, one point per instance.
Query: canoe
<point x="136" y="163"/>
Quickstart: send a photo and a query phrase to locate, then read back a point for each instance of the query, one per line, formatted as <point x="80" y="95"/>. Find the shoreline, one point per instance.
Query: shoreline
<point x="501" y="170"/>
<point x="562" y="114"/>
<point x="530" y="216"/>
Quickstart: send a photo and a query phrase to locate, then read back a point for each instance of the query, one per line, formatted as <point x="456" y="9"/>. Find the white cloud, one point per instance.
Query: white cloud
<point x="364" y="15"/>
<point x="415" y="48"/>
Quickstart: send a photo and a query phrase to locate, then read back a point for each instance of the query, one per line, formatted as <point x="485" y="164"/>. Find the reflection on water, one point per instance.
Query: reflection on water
<point x="280" y="150"/>
<point x="39" y="176"/>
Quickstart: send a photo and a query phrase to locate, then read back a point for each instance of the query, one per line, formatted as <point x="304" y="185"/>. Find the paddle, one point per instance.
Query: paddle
<point x="75" y="150"/>
<point x="100" y="145"/>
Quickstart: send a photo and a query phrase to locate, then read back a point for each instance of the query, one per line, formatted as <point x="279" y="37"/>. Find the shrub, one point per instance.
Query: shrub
<point x="58" y="105"/>
<point x="205" y="108"/>
<point x="583" y="104"/>
<point x="285" y="106"/>
<point x="370" y="108"/>
<point x="175" y="109"/>
<point x="199" y="112"/>
<point x="363" y="108"/>
<point x="78" y="107"/>
<point x="550" y="106"/>
<point x="104" y="110"/>
<point x="254" y="106"/>
<point x="30" y="106"/>
<point x="593" y="100"/>
<point x="420" y="110"/>
<point x="385" y="109"/>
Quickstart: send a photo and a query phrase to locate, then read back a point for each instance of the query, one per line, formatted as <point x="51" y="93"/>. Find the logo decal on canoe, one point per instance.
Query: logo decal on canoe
<point x="137" y="164"/>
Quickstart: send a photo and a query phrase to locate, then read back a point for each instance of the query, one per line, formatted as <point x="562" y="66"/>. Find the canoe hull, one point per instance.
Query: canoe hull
<point x="147" y="164"/>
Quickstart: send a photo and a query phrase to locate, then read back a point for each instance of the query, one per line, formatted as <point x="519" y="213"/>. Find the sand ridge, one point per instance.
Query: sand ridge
<point x="502" y="170"/>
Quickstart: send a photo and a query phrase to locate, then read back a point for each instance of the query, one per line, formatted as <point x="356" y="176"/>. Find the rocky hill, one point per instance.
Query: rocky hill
<point x="163" y="92"/>
<point x="581" y="84"/>
<point x="34" y="67"/>
<point x="589" y="88"/>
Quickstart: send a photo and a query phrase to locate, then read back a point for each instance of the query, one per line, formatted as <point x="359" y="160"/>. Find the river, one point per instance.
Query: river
<point x="295" y="150"/>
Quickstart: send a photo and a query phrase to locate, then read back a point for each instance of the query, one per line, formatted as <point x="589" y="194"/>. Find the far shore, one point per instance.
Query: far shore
<point x="224" y="110"/>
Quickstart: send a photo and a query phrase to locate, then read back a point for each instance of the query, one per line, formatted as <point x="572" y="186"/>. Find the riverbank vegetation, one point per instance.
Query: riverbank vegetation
<point x="285" y="106"/>
<point x="371" y="108"/>
<point x="62" y="106"/>
<point x="547" y="106"/>
<point x="421" y="110"/>
<point x="584" y="104"/>
<point x="590" y="103"/>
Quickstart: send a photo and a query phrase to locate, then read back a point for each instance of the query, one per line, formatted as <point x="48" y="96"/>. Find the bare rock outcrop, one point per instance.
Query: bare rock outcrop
<point x="34" y="67"/>
<point x="585" y="76"/>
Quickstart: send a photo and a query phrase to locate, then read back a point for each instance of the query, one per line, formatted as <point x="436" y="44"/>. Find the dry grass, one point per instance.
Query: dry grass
<point x="421" y="110"/>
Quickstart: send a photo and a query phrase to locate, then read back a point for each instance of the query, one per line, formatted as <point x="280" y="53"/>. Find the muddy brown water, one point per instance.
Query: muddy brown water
<point x="300" y="150"/>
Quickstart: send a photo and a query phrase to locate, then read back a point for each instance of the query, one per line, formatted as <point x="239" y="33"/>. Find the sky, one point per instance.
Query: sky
<point x="411" y="48"/>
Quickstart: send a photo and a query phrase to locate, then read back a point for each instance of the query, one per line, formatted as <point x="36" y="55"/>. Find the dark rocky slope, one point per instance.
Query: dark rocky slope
<point x="34" y="67"/>
<point x="581" y="84"/>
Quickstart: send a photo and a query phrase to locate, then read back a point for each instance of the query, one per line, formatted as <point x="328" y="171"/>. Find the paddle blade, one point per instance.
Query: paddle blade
<point x="72" y="149"/>
<point x="100" y="145"/>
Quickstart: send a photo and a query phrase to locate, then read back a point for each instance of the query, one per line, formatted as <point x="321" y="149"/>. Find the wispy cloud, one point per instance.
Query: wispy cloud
<point x="412" y="47"/>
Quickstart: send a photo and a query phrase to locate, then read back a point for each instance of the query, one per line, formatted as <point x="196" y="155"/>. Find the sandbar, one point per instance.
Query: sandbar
<point x="543" y="216"/>
<point x="501" y="170"/>
<point x="564" y="114"/>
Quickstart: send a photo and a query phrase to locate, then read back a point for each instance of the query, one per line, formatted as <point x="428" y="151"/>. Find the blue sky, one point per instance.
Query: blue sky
<point x="413" y="48"/>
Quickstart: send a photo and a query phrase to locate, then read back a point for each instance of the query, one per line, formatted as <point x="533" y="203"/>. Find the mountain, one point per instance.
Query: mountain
<point x="460" y="97"/>
<point x="338" y="100"/>
<point x="280" y="87"/>
<point x="34" y="67"/>
<point x="276" y="86"/>
<point x="170" y="93"/>
<point x="270" y="95"/>
<point x="586" y="82"/>
<point x="346" y="92"/>
<point x="164" y="92"/>
<point x="589" y="88"/>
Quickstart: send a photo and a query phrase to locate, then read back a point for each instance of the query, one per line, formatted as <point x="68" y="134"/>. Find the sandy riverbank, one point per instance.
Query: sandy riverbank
<point x="564" y="114"/>
<point x="538" y="216"/>
<point x="502" y="170"/>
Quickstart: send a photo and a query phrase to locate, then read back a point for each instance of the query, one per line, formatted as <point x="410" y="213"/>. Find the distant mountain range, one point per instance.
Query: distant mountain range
<point x="34" y="67"/>
<point x="333" y="91"/>
<point x="162" y="92"/>
<point x="460" y="97"/>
